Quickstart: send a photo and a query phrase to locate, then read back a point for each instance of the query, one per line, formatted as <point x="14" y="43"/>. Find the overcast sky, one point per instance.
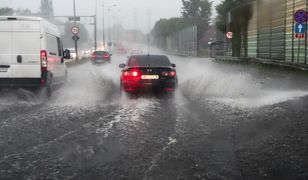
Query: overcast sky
<point x="131" y="13"/>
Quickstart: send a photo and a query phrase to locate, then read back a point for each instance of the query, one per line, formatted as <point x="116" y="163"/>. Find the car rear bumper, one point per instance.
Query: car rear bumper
<point x="148" y="85"/>
<point x="20" y="82"/>
<point x="98" y="61"/>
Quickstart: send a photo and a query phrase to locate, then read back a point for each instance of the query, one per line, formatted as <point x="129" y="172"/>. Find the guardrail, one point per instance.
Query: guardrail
<point x="267" y="62"/>
<point x="74" y="62"/>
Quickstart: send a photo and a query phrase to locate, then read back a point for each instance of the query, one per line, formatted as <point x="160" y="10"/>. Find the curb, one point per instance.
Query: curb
<point x="266" y="62"/>
<point x="70" y="63"/>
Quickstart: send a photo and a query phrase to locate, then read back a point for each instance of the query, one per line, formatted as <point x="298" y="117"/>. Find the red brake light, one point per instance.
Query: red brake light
<point x="125" y="73"/>
<point x="165" y="73"/>
<point x="134" y="73"/>
<point x="106" y="55"/>
<point x="43" y="61"/>
<point x="172" y="73"/>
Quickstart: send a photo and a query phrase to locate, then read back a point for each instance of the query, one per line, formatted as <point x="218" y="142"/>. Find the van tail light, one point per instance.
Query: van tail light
<point x="43" y="68"/>
<point x="44" y="61"/>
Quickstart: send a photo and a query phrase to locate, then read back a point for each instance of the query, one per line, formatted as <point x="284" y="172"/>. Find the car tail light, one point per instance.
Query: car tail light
<point x="93" y="56"/>
<point x="165" y="73"/>
<point x="172" y="73"/>
<point x="106" y="55"/>
<point x="132" y="74"/>
<point x="44" y="61"/>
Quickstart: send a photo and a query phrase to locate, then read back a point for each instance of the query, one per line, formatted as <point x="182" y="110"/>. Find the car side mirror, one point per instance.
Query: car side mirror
<point x="122" y="66"/>
<point x="67" y="54"/>
<point x="173" y="65"/>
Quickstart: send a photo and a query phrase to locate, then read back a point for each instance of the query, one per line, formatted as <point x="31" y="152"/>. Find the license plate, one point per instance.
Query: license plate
<point x="149" y="77"/>
<point x="3" y="69"/>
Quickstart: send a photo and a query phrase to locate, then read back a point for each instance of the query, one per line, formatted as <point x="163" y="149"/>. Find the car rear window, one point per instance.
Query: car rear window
<point x="100" y="52"/>
<point x="148" y="61"/>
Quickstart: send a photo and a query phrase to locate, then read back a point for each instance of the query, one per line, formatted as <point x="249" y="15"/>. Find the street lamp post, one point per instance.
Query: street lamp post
<point x="109" y="24"/>
<point x="104" y="39"/>
<point x="95" y="27"/>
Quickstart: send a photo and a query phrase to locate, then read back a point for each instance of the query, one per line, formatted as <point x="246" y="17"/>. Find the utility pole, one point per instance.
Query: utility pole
<point x="95" y="32"/>
<point x="109" y="43"/>
<point x="109" y="24"/>
<point x="95" y="27"/>
<point x="104" y="39"/>
<point x="75" y="36"/>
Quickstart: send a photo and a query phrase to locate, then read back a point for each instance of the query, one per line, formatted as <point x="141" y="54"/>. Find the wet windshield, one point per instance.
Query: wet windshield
<point x="153" y="90"/>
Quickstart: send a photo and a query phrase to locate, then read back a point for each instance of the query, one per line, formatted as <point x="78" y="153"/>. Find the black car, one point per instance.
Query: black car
<point x="148" y="72"/>
<point x="100" y="57"/>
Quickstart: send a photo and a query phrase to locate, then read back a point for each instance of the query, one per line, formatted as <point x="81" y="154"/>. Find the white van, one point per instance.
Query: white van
<point x="31" y="53"/>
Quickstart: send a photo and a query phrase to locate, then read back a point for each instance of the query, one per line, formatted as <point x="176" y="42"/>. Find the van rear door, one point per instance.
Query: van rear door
<point x="20" y="49"/>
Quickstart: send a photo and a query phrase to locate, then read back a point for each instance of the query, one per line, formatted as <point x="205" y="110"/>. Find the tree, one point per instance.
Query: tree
<point x="23" y="12"/>
<point x="240" y="12"/>
<point x="197" y="12"/>
<point x="6" y="11"/>
<point x="166" y="27"/>
<point x="46" y="9"/>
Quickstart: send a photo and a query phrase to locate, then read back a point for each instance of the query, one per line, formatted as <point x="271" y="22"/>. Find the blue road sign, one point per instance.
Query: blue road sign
<point x="300" y="16"/>
<point x="300" y="28"/>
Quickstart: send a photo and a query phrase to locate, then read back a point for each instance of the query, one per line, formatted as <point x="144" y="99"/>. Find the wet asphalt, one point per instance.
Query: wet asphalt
<point x="225" y="122"/>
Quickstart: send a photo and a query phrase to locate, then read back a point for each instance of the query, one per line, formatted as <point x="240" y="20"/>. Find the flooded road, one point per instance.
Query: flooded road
<point x="225" y="121"/>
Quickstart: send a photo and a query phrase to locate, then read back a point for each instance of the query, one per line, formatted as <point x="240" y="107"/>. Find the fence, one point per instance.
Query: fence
<point x="183" y="42"/>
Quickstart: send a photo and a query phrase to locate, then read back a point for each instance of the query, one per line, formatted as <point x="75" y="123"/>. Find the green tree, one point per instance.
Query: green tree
<point x="234" y="15"/>
<point x="46" y="8"/>
<point x="6" y="11"/>
<point x="23" y="12"/>
<point x="197" y="12"/>
<point x="165" y="27"/>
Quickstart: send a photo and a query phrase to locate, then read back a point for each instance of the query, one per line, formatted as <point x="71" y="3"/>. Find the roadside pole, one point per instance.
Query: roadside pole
<point x="75" y="35"/>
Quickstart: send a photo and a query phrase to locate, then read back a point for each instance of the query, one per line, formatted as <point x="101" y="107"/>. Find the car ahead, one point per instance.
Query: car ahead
<point x="73" y="54"/>
<point x="32" y="55"/>
<point x="100" y="57"/>
<point x="121" y="51"/>
<point x="136" y="52"/>
<point x="143" y="73"/>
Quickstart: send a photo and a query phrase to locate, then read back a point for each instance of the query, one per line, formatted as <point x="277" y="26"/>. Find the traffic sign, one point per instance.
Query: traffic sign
<point x="75" y="38"/>
<point x="229" y="35"/>
<point x="300" y="16"/>
<point x="72" y="18"/>
<point x="299" y="36"/>
<point x="75" y="30"/>
<point x="300" y="28"/>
